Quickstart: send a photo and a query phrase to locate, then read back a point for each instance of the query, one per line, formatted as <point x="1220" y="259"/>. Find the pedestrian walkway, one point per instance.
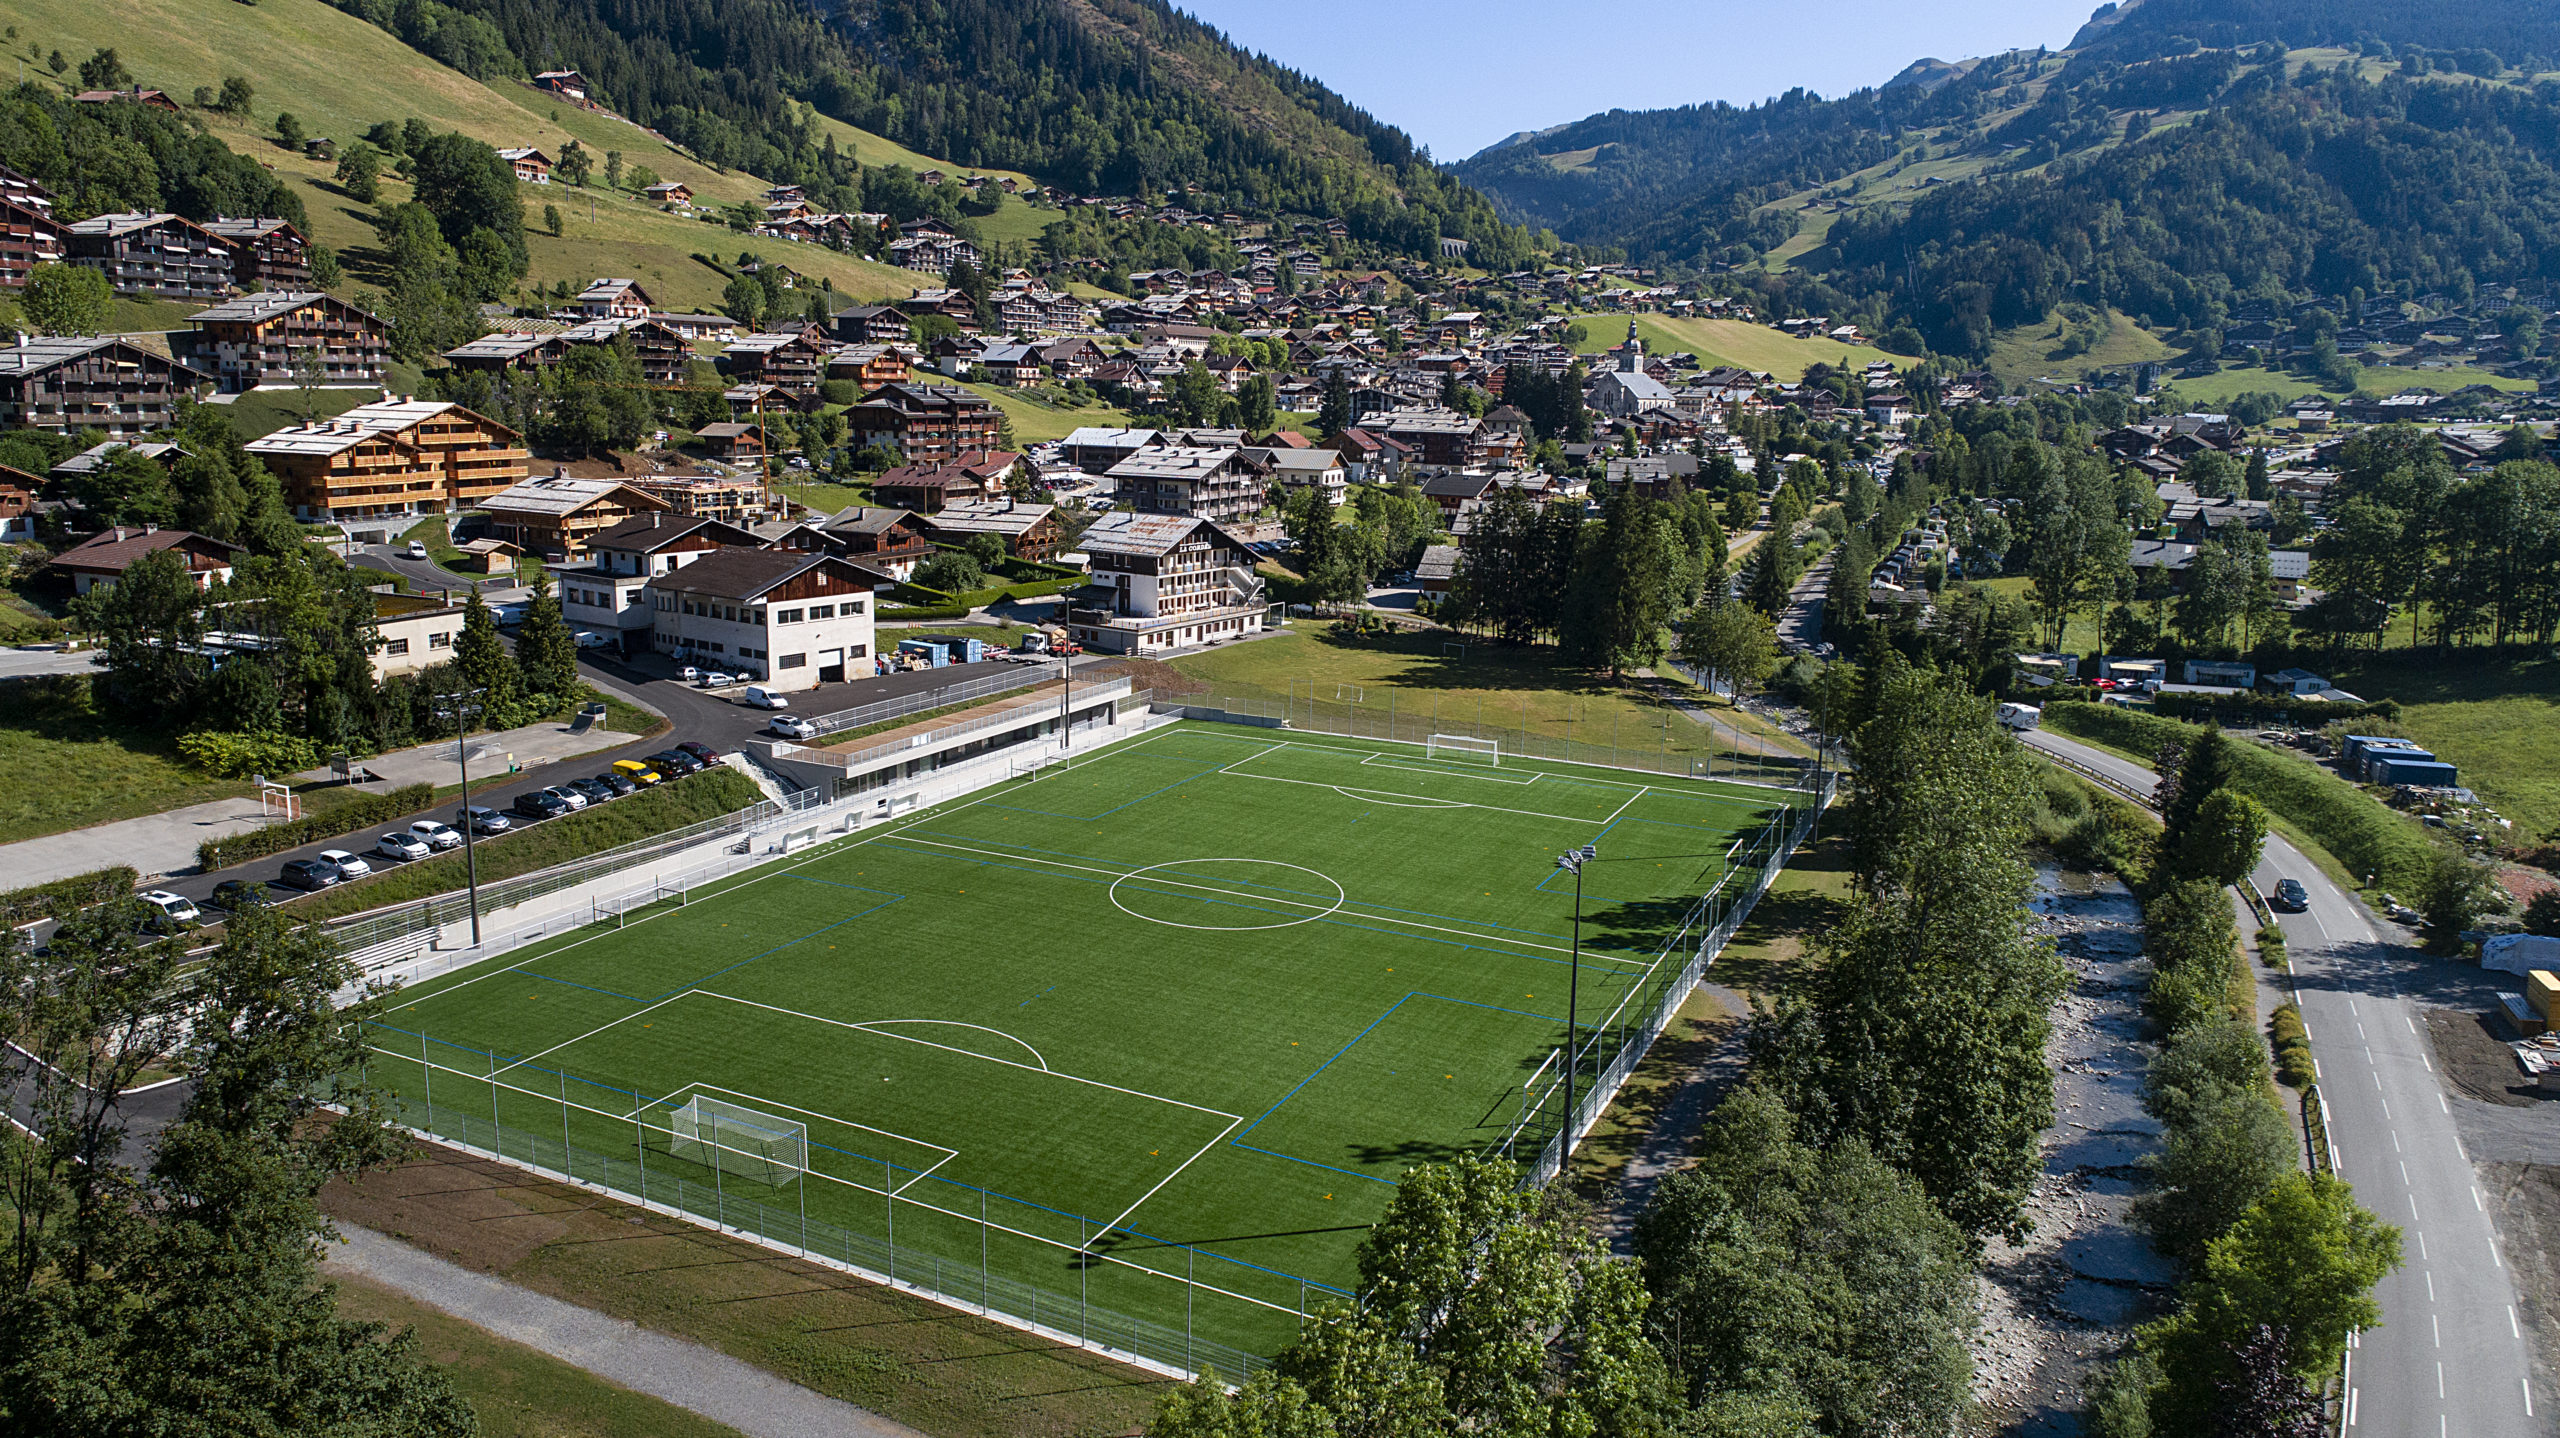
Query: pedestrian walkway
<point x="159" y="845"/>
<point x="688" y="1375"/>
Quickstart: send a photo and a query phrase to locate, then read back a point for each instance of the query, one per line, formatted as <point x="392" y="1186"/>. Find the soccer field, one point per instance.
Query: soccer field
<point x="1184" y="1010"/>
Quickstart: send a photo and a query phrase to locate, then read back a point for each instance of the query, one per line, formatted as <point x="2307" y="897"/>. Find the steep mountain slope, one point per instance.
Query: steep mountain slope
<point x="1101" y="96"/>
<point x="2145" y="170"/>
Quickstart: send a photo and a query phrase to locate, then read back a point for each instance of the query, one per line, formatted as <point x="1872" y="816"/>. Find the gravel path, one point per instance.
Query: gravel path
<point x="687" y="1375"/>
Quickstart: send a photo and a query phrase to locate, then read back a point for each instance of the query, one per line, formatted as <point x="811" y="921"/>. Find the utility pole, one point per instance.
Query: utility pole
<point x="1066" y="699"/>
<point x="461" y="711"/>
<point x="1572" y="863"/>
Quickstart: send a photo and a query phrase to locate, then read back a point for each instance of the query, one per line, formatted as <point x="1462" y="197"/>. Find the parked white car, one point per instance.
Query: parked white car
<point x="402" y="846"/>
<point x="176" y="908"/>
<point x="688" y="674"/>
<point x="436" y="835"/>
<point x="348" y="864"/>
<point x="791" y="726"/>
<point x="568" y="796"/>
<point x="717" y="680"/>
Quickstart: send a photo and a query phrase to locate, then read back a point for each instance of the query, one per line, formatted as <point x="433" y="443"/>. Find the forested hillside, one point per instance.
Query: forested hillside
<point x="2185" y="157"/>
<point x="1099" y="96"/>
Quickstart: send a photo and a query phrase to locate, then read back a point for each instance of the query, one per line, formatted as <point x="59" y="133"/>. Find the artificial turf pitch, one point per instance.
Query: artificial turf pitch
<point x="1191" y="1005"/>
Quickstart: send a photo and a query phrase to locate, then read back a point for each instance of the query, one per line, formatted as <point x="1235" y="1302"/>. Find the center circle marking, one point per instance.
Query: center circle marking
<point x="1339" y="897"/>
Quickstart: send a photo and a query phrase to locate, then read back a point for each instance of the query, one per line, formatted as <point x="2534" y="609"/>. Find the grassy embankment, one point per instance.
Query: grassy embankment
<point x="2350" y="833"/>
<point x="671" y="805"/>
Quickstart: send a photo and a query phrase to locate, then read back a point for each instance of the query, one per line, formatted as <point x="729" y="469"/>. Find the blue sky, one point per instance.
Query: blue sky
<point x="1460" y="74"/>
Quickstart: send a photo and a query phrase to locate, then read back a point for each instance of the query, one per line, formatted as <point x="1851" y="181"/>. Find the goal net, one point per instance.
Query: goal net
<point x="1037" y="764"/>
<point x="1463" y="748"/>
<point x="738" y="1140"/>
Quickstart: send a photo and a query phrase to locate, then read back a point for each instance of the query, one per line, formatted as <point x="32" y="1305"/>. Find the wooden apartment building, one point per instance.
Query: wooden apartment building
<point x="924" y="422"/>
<point x="270" y="254"/>
<point x="157" y="254"/>
<point x="263" y="338"/>
<point x="393" y="460"/>
<point x="105" y="382"/>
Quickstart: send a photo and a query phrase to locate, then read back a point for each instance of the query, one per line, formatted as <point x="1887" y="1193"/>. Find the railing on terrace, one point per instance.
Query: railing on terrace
<point x="1108" y="690"/>
<point x="958" y="691"/>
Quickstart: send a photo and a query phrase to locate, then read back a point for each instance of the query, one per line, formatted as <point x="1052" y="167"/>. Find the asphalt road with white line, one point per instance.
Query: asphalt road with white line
<point x="2450" y="1357"/>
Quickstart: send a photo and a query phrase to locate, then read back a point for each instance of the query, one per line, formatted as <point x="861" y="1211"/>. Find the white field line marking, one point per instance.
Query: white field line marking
<point x="1710" y="791"/>
<point x="1488" y="808"/>
<point x="1379" y="796"/>
<point x="1631" y="803"/>
<point x="1386" y="762"/>
<point x="957" y="1024"/>
<point x="969" y="1053"/>
<point x="591" y="1033"/>
<point x="1168" y="1178"/>
<point x="1587" y="956"/>
<point x="861" y="1187"/>
<point x="947" y="1153"/>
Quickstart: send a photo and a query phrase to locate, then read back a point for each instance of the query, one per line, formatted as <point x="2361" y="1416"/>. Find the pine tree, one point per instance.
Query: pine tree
<point x="1333" y="416"/>
<point x="482" y="657"/>
<point x="545" y="650"/>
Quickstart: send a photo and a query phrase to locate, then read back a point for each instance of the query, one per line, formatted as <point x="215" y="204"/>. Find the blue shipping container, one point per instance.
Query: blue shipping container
<point x="2425" y="773"/>
<point x="936" y="655"/>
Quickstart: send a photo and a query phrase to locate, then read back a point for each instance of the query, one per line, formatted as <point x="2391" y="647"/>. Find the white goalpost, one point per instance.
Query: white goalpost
<point x="1464" y="748"/>
<point x="1034" y="766"/>
<point x="738" y="1140"/>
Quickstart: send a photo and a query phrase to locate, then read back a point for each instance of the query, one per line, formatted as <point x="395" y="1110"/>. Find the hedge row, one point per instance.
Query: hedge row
<point x="362" y="813"/>
<point x="2363" y="835"/>
<point x="2244" y="708"/>
<point x="64" y="897"/>
<point x="926" y="614"/>
<point x="2271" y="950"/>
<point x="2292" y="1046"/>
<point x="710" y="794"/>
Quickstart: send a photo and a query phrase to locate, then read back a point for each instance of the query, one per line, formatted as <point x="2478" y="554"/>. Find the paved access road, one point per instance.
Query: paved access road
<point x="2450" y="1358"/>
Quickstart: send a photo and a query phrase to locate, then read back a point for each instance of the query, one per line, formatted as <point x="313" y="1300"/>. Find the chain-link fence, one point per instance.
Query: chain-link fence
<point x="886" y="1215"/>
<point x="1661" y="738"/>
<point x="1609" y="1051"/>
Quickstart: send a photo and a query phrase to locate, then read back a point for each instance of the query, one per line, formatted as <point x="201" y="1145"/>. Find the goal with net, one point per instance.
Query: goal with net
<point x="738" y="1140"/>
<point x="1464" y="749"/>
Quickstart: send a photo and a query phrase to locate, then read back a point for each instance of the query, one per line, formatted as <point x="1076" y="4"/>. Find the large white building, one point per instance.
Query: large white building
<point x="1165" y="581"/>
<point x="791" y="618"/>
<point x="609" y="595"/>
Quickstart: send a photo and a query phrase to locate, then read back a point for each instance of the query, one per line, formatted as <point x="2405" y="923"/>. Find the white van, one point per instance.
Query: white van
<point x="2020" y="716"/>
<point x="759" y="697"/>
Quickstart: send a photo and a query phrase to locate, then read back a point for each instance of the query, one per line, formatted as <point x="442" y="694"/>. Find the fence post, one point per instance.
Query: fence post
<point x="497" y="1130"/>
<point x="982" y="1252"/>
<point x="1084" y="1271"/>
<point x="427" y="1071"/>
<point x="566" y="1167"/>
<point x="640" y="1144"/>
<point x="1190" y="1291"/>
<point x="889" y="1200"/>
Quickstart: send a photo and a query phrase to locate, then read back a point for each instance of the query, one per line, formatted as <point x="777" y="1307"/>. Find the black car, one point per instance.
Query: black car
<point x="310" y="875"/>
<point x="237" y="895"/>
<point x="614" y="784"/>
<point x="699" y="750"/>
<point x="675" y="762"/>
<point x="2290" y="896"/>
<point x="593" y="791"/>
<point x="538" y="804"/>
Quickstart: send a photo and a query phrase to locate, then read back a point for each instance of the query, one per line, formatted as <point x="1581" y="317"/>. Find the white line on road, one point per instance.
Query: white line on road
<point x="2430" y="1275"/>
<point x="2404" y="1182"/>
<point x="2368" y="1048"/>
<point x="2368" y="1053"/>
<point x="2435" y="1325"/>
<point x="2440" y="1103"/>
<point x="2528" y="1396"/>
<point x="2431" y="1068"/>
<point x="2513" y="1329"/>
<point x="2422" y="1243"/>
<point x="2352" y="1009"/>
<point x="2395" y="1138"/>
<point x="2475" y="1199"/>
<point x="2412" y="1023"/>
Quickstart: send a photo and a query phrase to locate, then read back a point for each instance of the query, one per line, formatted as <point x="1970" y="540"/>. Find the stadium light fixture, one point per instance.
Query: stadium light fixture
<point x="1571" y="862"/>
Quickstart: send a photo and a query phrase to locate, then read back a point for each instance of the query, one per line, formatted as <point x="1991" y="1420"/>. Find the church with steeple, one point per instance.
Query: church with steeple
<point x="1626" y="391"/>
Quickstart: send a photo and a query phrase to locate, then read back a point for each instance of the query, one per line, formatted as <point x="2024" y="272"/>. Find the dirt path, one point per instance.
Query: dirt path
<point x="688" y="1375"/>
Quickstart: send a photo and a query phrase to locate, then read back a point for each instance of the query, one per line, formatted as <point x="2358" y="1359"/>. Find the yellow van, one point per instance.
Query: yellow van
<point x="635" y="771"/>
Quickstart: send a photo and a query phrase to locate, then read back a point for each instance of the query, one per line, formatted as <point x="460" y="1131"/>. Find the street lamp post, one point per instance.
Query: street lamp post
<point x="461" y="712"/>
<point x="1572" y="863"/>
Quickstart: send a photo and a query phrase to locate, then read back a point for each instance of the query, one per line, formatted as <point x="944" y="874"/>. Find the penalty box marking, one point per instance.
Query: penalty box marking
<point x="1232" y="1119"/>
<point x="948" y="1154"/>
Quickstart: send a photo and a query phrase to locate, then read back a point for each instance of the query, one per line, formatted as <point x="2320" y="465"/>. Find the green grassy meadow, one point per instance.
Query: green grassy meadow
<point x="1191" y="1005"/>
<point x="1729" y="342"/>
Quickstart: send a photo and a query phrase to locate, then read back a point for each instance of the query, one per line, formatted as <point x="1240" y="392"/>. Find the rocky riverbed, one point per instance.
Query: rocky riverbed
<point x="2057" y="1306"/>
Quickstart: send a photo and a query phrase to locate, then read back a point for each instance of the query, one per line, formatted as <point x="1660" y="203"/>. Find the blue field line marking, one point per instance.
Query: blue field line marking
<point x="1250" y="884"/>
<point x="1334" y="919"/>
<point x="787" y="943"/>
<point x="1237" y="1140"/>
<point x="573" y="984"/>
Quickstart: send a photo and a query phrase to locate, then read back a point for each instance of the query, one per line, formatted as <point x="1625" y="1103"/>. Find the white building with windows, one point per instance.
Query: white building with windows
<point x="1165" y="581"/>
<point x="788" y="617"/>
<point x="609" y="595"/>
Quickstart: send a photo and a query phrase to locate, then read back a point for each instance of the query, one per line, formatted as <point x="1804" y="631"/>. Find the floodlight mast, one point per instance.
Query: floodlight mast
<point x="1572" y="863"/>
<point x="459" y="708"/>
